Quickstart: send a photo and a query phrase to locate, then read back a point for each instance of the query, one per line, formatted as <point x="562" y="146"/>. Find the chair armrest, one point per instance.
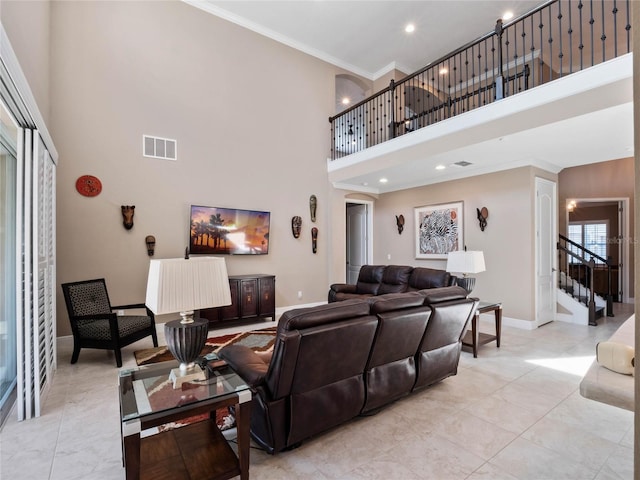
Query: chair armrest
<point x="344" y="288"/>
<point x="132" y="306"/>
<point x="246" y="363"/>
<point x="95" y="316"/>
<point x="125" y="307"/>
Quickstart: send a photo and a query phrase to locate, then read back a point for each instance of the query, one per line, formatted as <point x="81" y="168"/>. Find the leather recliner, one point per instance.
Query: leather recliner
<point x="383" y="279"/>
<point x="333" y="362"/>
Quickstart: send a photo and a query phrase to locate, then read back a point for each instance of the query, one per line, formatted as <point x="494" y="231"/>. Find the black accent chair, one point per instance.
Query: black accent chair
<point x="94" y="323"/>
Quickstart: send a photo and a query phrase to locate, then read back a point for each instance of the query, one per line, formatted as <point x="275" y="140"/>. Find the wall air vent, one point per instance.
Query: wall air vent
<point x="156" y="147"/>
<point x="463" y="163"/>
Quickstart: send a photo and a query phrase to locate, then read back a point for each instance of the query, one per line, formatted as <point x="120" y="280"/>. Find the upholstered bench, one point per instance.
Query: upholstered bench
<point x="607" y="386"/>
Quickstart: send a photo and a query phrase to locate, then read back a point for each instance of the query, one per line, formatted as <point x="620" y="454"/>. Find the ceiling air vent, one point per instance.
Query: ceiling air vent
<point x="156" y="147"/>
<point x="463" y="163"/>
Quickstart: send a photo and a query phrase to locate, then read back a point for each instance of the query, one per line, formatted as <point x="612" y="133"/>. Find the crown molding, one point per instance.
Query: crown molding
<point x="261" y="30"/>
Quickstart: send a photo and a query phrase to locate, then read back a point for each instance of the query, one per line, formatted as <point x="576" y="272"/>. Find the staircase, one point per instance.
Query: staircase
<point x="577" y="300"/>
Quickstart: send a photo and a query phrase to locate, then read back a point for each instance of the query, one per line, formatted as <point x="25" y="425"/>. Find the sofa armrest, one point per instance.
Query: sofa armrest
<point x="340" y="288"/>
<point x="343" y="288"/>
<point x="246" y="363"/>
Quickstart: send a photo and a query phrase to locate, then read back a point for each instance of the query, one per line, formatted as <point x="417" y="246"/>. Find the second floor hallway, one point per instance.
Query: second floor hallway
<point x="552" y="89"/>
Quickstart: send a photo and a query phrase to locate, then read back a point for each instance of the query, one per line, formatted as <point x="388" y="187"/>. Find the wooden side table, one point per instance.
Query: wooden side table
<point x="474" y="338"/>
<point x="195" y="451"/>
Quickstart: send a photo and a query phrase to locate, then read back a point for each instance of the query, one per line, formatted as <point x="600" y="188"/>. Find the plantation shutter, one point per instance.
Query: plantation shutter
<point x="36" y="274"/>
<point x="35" y="238"/>
<point x="44" y="291"/>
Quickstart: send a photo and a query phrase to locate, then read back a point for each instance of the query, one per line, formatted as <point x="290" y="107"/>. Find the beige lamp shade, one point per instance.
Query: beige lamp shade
<point x="465" y="262"/>
<point x="179" y="285"/>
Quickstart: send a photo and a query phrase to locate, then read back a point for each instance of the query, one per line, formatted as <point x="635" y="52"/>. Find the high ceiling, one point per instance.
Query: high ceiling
<point x="588" y="119"/>
<point x="368" y="37"/>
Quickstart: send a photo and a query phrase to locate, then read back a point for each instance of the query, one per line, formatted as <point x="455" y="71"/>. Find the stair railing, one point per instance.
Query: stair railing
<point x="579" y="264"/>
<point x="551" y="41"/>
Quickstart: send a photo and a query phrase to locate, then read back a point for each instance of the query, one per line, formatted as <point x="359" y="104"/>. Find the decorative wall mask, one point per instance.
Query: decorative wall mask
<point x="313" y="205"/>
<point x="400" y="223"/>
<point x="296" y="226"/>
<point x="314" y="239"/>
<point x="150" y="240"/>
<point x="482" y="217"/>
<point x="127" y="216"/>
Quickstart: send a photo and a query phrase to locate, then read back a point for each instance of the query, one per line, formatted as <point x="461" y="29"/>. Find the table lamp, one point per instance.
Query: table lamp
<point x="465" y="262"/>
<point x="184" y="285"/>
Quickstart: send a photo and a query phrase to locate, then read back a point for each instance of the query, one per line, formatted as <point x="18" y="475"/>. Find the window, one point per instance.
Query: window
<point x="590" y="235"/>
<point x="8" y="323"/>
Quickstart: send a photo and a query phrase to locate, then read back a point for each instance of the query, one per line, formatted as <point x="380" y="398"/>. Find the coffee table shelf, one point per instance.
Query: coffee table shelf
<point x="195" y="451"/>
<point x="198" y="450"/>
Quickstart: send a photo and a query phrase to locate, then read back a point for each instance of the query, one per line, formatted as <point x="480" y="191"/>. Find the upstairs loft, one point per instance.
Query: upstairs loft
<point x="551" y="89"/>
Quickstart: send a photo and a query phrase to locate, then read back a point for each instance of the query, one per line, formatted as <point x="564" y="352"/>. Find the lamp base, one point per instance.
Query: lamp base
<point x="191" y="374"/>
<point x="467" y="283"/>
<point x="186" y="341"/>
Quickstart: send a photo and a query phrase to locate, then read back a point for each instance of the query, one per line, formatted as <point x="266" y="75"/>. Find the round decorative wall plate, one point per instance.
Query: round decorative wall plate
<point x="88" y="185"/>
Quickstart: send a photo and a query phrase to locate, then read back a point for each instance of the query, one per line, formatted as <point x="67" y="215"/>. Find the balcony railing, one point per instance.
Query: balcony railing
<point x="557" y="39"/>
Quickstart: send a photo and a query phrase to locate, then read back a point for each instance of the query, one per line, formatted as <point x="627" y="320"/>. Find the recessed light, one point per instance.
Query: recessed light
<point x="440" y="167"/>
<point x="410" y="28"/>
<point x="383" y="180"/>
<point x="507" y="16"/>
<point x="364" y="184"/>
<point x="444" y="71"/>
<point x="346" y="101"/>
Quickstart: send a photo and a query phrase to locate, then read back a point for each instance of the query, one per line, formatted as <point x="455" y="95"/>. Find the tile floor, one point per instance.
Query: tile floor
<point x="504" y="416"/>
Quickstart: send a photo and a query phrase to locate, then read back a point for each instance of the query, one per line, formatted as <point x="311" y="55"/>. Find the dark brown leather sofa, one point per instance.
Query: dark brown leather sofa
<point x="334" y="362"/>
<point x="382" y="279"/>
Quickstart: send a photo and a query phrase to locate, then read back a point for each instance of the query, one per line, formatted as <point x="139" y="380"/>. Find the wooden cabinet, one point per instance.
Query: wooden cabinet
<point x="252" y="296"/>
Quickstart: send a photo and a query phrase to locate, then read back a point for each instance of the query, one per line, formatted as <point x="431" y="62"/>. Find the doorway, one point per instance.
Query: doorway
<point x="612" y="215"/>
<point x="359" y="248"/>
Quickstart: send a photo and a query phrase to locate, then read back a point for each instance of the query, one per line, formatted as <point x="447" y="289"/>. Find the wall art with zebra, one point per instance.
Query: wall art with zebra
<point x="439" y="230"/>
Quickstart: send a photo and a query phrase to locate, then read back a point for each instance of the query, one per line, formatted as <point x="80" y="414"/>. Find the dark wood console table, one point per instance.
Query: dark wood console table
<point x="252" y="296"/>
<point x="474" y="338"/>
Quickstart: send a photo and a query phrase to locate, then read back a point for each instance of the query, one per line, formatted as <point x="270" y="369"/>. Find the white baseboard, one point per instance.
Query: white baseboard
<point x="517" y="323"/>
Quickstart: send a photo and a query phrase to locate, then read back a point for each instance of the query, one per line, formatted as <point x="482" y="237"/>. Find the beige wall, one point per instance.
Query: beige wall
<point x="122" y="69"/>
<point x="382" y="82"/>
<point x="507" y="241"/>
<point x="249" y="116"/>
<point x="27" y="26"/>
<point x="613" y="179"/>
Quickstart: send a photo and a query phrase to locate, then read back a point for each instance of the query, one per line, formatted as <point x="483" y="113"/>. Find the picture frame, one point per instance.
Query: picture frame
<point x="439" y="230"/>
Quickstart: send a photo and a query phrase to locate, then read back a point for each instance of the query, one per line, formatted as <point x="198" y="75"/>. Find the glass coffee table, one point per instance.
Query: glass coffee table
<point x="195" y="451"/>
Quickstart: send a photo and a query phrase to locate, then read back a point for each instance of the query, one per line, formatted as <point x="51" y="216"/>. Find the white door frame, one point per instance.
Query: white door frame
<point x="369" y="205"/>
<point x="624" y="254"/>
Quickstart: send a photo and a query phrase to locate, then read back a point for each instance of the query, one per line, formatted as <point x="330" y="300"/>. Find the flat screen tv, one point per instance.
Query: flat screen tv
<point x="231" y="231"/>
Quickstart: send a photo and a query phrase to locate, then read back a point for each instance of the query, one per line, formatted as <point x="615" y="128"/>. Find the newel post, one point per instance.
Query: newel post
<point x="499" y="78"/>
<point x="392" y="92"/>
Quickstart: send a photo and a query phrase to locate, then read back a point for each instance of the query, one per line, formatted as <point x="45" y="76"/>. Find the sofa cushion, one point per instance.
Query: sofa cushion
<point x="395" y="279"/>
<point x="369" y="279"/>
<point x="423" y="277"/>
<point x="443" y="294"/>
<point x="607" y="386"/>
<point x="395" y="301"/>
<point x="300" y="318"/>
